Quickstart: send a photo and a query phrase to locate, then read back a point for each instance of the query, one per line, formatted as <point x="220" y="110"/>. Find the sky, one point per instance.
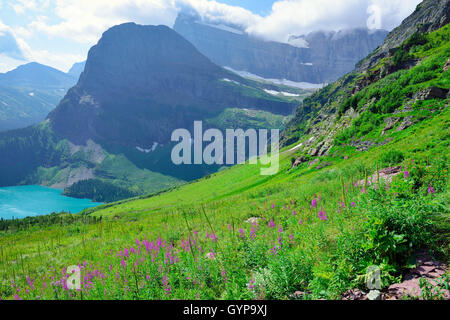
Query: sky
<point x="59" y="33"/>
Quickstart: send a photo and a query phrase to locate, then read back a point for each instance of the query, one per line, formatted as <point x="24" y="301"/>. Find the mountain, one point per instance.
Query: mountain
<point x="319" y="57"/>
<point x="29" y="92"/>
<point x="139" y="84"/>
<point x="154" y="82"/>
<point x="77" y="69"/>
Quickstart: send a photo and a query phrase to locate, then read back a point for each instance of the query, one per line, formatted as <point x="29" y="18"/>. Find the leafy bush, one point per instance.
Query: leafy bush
<point x="391" y="157"/>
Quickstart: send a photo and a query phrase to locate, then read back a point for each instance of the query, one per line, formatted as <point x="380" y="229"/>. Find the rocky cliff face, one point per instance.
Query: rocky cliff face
<point x="429" y="15"/>
<point x="316" y="58"/>
<point x="142" y="82"/>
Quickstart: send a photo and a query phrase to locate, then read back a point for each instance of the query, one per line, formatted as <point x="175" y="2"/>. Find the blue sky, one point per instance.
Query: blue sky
<point x="60" y="32"/>
<point x="261" y="7"/>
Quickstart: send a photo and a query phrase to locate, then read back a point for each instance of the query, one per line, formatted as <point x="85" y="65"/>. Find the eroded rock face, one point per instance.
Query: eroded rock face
<point x="142" y="82"/>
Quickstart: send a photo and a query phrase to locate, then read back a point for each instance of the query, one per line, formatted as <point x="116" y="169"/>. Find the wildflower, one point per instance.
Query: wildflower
<point x="291" y="236"/>
<point x="406" y="174"/>
<point x="252" y="233"/>
<point x="314" y="203"/>
<point x="224" y="275"/>
<point x="274" y="250"/>
<point x="323" y="216"/>
<point x="271" y="224"/>
<point x="294" y="213"/>
<point x="126" y="253"/>
<point x="273" y="206"/>
<point x="123" y="263"/>
<point x="353" y="204"/>
<point x="241" y="233"/>
<point x="300" y="222"/>
<point x="280" y="229"/>
<point x="431" y="189"/>
<point x="251" y="285"/>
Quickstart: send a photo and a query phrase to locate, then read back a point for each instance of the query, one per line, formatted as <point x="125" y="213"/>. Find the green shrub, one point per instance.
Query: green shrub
<point x="391" y="157"/>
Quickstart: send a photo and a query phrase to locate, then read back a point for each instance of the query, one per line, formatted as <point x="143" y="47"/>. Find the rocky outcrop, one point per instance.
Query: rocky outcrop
<point x="429" y="15"/>
<point x="431" y="93"/>
<point x="319" y="57"/>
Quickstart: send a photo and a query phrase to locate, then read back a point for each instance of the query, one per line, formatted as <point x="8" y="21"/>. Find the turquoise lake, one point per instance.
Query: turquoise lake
<point x="26" y="201"/>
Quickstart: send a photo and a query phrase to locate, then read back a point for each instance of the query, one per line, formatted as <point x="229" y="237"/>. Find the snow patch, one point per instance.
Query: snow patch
<point x="298" y="42"/>
<point x="31" y="94"/>
<point x="276" y="93"/>
<point x="232" y="81"/>
<point x="285" y="82"/>
<point x="153" y="148"/>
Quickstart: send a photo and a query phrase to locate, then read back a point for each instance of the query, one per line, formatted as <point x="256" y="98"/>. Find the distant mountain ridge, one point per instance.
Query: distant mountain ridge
<point x="29" y="92"/>
<point x="319" y="57"/>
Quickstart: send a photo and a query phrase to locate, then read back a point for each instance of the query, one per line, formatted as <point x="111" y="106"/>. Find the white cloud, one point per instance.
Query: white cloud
<point x="85" y="20"/>
<point x="296" y="17"/>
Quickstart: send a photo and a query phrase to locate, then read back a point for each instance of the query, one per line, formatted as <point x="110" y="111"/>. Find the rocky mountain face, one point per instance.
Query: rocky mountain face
<point x="429" y="15"/>
<point x="142" y="82"/>
<point x="29" y="92"/>
<point x="319" y="57"/>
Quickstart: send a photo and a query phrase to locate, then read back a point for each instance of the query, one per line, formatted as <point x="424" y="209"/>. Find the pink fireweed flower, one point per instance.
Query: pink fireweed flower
<point x="274" y="250"/>
<point x="224" y="275"/>
<point x="213" y="237"/>
<point x="294" y="213"/>
<point x="123" y="263"/>
<point x="406" y="173"/>
<point x="323" y="215"/>
<point x="252" y="233"/>
<point x="241" y="233"/>
<point x="273" y="206"/>
<point x="251" y="285"/>
<point x="353" y="204"/>
<point x="291" y="236"/>
<point x="314" y="203"/>
<point x="280" y="229"/>
<point x="300" y="222"/>
<point x="431" y="189"/>
<point x="229" y="226"/>
<point x="271" y="224"/>
<point x="126" y="252"/>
